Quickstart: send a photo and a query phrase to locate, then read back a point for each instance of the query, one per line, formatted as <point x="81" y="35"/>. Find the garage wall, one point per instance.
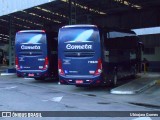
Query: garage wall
<point x="152" y="50"/>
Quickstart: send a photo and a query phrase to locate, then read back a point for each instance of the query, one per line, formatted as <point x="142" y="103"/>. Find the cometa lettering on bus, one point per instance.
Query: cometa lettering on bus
<point x="30" y="47"/>
<point x="69" y="46"/>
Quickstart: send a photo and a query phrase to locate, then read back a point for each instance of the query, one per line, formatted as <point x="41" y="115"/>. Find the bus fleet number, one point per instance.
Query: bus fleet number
<point x="92" y="62"/>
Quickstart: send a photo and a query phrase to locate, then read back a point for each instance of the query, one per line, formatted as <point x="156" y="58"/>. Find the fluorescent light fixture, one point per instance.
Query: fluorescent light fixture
<point x="4" y="35"/>
<point x="48" y="11"/>
<point x="127" y="3"/>
<point x="3" y="20"/>
<point x="86" y="8"/>
<point x="24" y="20"/>
<point x="33" y="14"/>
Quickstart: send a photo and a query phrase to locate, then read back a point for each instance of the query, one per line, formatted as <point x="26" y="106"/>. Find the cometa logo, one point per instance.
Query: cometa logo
<point x="69" y="46"/>
<point x="23" y="47"/>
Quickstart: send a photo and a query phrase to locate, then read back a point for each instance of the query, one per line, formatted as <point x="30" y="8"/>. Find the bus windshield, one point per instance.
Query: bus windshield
<point x="28" y="42"/>
<point x="31" y="38"/>
<point x="82" y="40"/>
<point x="73" y="35"/>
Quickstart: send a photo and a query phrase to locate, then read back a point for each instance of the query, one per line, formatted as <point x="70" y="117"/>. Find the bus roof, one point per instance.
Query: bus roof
<point x="108" y="29"/>
<point x="81" y="25"/>
<point x="25" y="31"/>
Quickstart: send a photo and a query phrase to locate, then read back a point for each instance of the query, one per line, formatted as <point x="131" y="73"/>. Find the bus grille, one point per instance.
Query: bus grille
<point x="79" y="54"/>
<point x="30" y="53"/>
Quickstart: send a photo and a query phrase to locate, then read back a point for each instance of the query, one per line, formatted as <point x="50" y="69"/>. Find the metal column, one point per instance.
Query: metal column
<point x="11" y="44"/>
<point x="72" y="12"/>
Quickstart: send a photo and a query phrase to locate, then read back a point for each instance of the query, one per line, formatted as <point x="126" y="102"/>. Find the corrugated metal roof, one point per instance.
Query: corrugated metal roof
<point x="53" y="14"/>
<point x="9" y="6"/>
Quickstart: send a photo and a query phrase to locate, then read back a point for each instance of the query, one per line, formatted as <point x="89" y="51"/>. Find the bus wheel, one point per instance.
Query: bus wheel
<point x="134" y="73"/>
<point x="114" y="81"/>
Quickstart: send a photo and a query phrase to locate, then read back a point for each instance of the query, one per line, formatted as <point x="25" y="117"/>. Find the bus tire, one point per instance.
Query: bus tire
<point x="134" y="72"/>
<point x="114" y="81"/>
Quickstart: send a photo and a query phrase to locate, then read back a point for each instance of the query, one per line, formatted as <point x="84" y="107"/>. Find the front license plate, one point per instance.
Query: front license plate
<point x="31" y="75"/>
<point x="79" y="81"/>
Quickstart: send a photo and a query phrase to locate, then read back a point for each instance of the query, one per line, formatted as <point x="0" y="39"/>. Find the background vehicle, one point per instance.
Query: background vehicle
<point x="36" y="54"/>
<point x="88" y="55"/>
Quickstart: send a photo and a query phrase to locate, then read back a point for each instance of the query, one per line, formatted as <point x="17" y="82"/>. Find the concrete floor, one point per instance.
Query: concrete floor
<point x="19" y="94"/>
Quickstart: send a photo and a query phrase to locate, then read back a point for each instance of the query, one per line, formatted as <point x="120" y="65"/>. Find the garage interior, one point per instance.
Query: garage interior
<point x="126" y="14"/>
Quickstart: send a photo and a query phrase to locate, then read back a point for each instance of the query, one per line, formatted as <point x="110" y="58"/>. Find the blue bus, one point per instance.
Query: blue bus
<point x="36" y="54"/>
<point x="89" y="55"/>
